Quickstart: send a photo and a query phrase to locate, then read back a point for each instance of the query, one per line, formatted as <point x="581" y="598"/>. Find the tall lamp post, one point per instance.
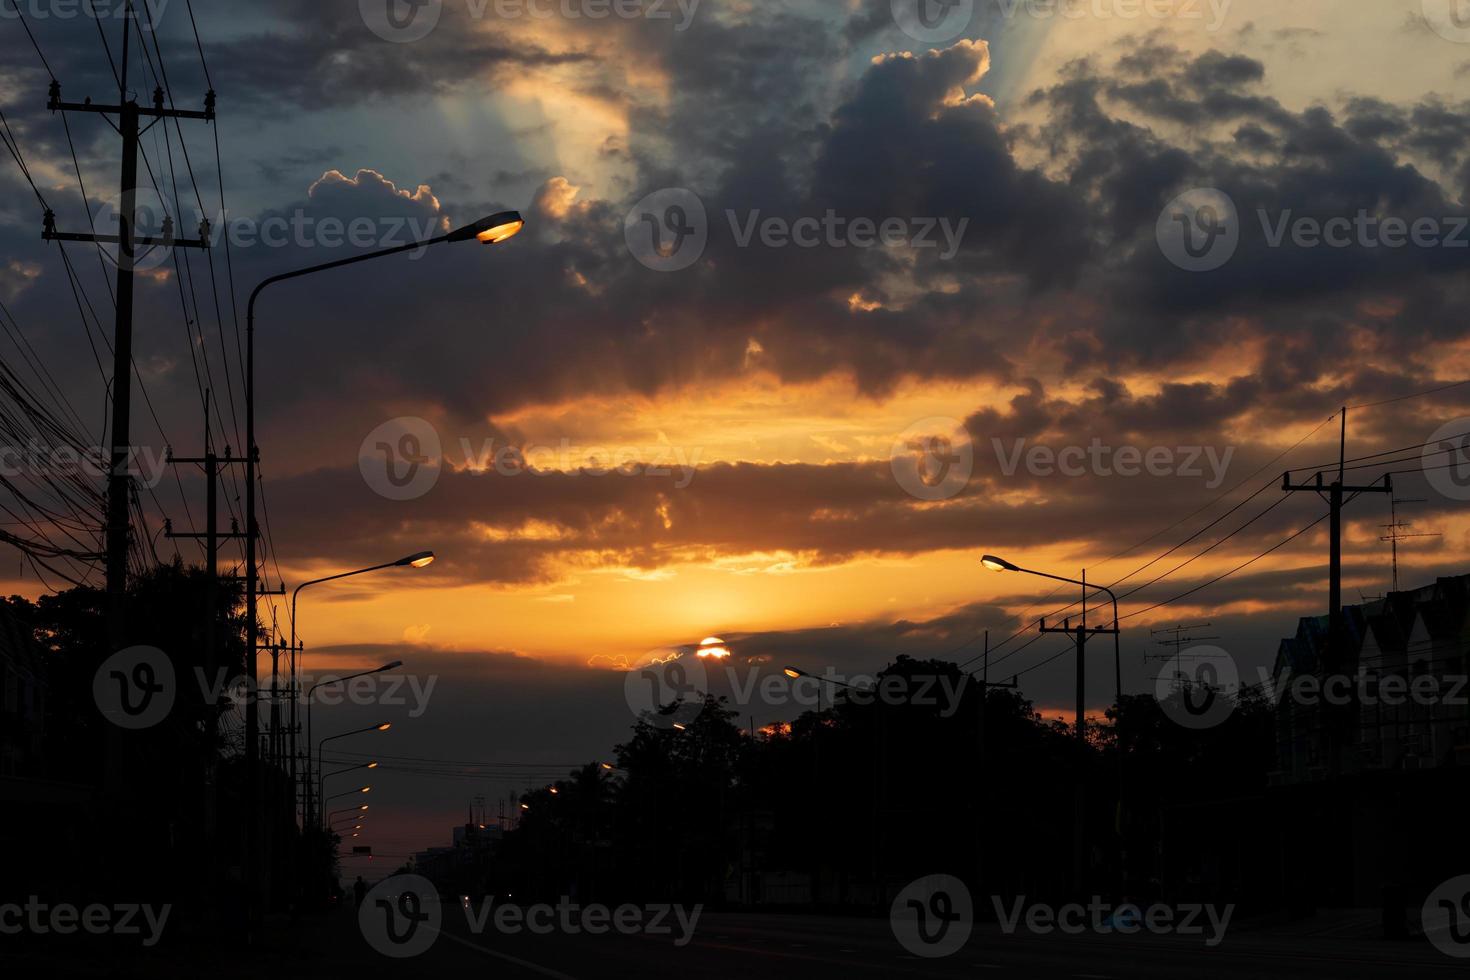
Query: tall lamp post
<point x="490" y="231"/>
<point x="1081" y="633"/>
<point x="419" y="559"/>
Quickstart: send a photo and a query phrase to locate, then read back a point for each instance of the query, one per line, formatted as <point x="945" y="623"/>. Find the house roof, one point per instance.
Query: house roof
<point x="1443" y="607"/>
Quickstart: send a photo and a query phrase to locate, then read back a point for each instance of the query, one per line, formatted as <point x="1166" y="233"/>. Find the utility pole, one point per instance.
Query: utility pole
<point x="119" y="484"/>
<point x="211" y="464"/>
<point x="1335" y="661"/>
<point x="1081" y="632"/>
<point x="129" y="114"/>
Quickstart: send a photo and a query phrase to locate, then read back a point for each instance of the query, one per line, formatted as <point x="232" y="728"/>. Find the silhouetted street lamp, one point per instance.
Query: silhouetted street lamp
<point x="490" y="230"/>
<point x="1079" y="848"/>
<point x="795" y="673"/>
<point x="321" y="781"/>
<point x="418" y="559"/>
<point x="996" y="564"/>
<point x="390" y="665"/>
<point x="349" y="809"/>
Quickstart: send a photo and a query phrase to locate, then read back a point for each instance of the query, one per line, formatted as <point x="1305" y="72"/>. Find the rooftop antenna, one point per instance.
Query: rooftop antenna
<point x="1178" y="637"/>
<point x="1397" y="530"/>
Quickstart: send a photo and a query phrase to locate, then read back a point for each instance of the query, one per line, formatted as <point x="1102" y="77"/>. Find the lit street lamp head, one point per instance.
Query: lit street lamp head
<point x="794" y="672"/>
<point x="998" y="564"/>
<point x="492" y="230"/>
<point x="418" y="559"/>
<point x="385" y="726"/>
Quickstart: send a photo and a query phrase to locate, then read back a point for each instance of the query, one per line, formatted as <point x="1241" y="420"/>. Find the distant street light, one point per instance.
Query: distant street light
<point x="491" y="230"/>
<point x="363" y="765"/>
<point x="418" y="559"/>
<point x="321" y="780"/>
<point x="350" y="809"/>
<point x="795" y="673"/>
<point x="330" y="682"/>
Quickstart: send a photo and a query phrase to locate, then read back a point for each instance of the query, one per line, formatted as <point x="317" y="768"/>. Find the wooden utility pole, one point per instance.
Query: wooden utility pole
<point x="1334" y="661"/>
<point x="212" y="465"/>
<point x="129" y="115"/>
<point x="1081" y="632"/>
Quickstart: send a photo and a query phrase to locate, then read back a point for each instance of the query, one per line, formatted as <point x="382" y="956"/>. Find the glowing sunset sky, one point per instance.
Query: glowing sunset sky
<point x="785" y="377"/>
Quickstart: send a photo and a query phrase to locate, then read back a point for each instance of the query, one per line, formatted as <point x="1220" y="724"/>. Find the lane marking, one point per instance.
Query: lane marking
<point x="545" y="971"/>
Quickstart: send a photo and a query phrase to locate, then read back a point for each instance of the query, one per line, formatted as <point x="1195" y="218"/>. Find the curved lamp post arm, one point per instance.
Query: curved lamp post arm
<point x="1117" y="655"/>
<point x="1000" y="564"/>
<point x="317" y="581"/>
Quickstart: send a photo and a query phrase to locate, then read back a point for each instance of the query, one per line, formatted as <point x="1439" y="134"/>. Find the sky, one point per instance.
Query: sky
<point x="625" y="450"/>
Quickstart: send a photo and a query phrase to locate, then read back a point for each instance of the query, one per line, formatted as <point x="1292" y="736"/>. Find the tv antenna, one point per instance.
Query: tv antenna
<point x="1398" y="531"/>
<point x="1177" y="638"/>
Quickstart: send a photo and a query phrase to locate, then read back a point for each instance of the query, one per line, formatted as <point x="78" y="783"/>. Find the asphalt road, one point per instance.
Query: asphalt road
<point x="772" y="947"/>
<point x="761" y="947"/>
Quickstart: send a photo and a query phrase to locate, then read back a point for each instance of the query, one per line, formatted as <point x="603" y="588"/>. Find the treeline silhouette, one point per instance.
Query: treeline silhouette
<point x="109" y="815"/>
<point x="843" y="806"/>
